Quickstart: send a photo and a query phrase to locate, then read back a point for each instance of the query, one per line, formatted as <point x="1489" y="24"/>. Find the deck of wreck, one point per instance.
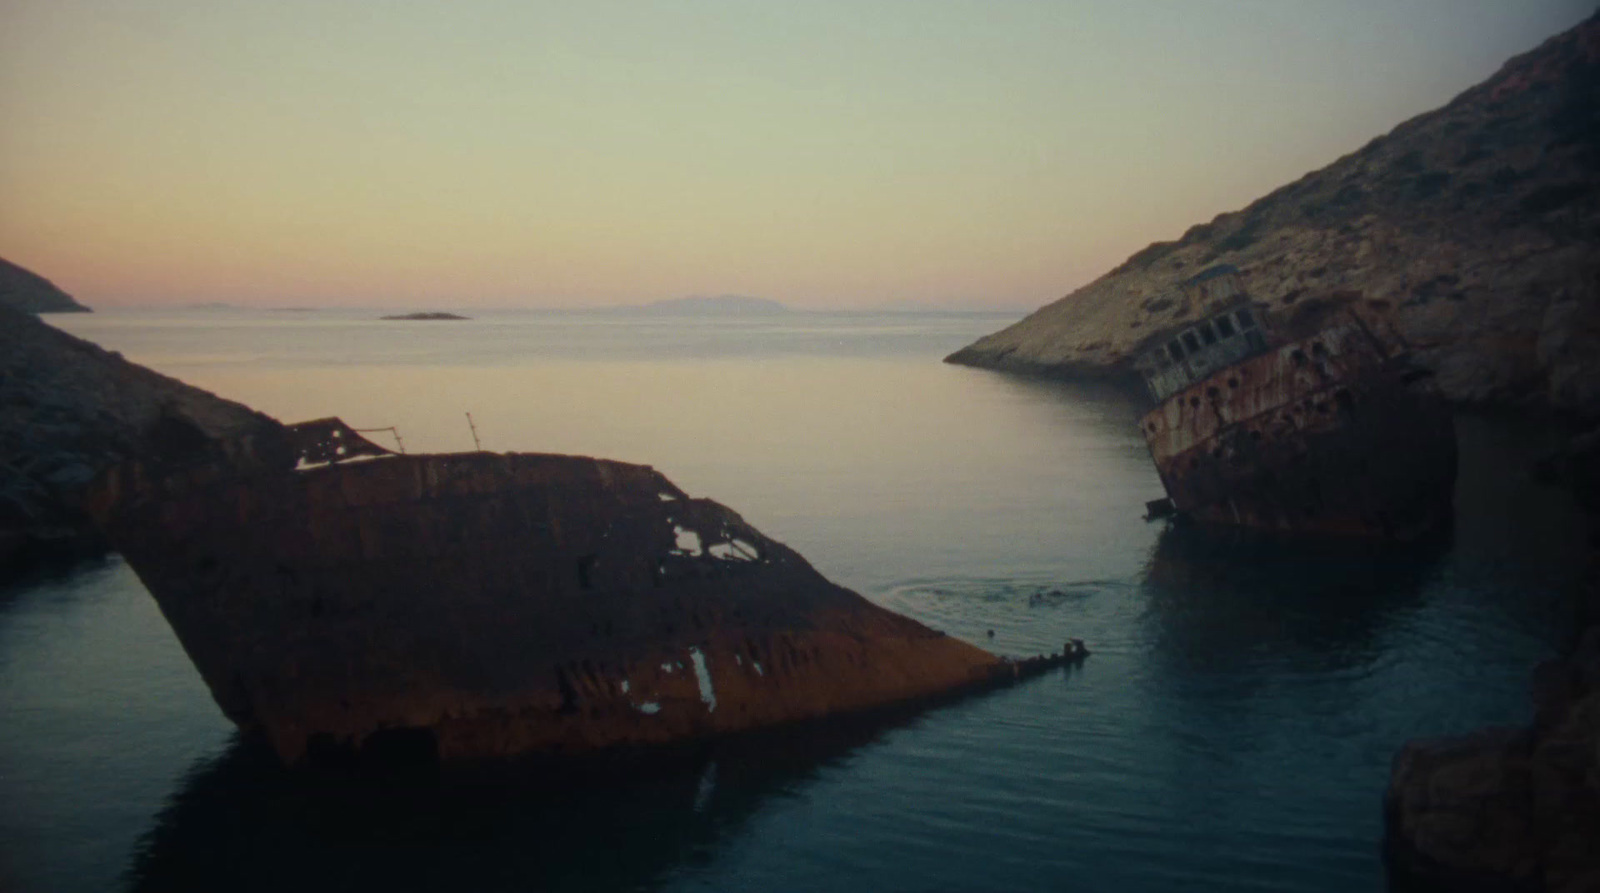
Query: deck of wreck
<point x="496" y="605"/>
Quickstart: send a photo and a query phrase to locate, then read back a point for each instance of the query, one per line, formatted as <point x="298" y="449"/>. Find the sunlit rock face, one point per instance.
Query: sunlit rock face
<point x="1473" y="229"/>
<point x="69" y="409"/>
<point x="482" y="605"/>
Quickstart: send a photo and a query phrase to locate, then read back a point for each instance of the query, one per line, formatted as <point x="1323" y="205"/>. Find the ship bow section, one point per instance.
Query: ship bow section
<point x="492" y="605"/>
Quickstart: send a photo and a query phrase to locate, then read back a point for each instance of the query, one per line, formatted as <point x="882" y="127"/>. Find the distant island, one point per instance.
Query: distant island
<point x="716" y="305"/>
<point x="27" y="291"/>
<point x="428" y="315"/>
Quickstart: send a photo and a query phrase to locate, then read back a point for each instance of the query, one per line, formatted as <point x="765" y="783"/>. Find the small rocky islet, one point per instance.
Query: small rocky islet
<point x="426" y="316"/>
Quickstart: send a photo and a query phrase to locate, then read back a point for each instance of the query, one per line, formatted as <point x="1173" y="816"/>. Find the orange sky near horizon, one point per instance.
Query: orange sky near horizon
<point x="827" y="155"/>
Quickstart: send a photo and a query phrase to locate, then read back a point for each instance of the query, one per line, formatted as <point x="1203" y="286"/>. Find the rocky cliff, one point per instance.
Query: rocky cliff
<point x="1512" y="808"/>
<point x="29" y="292"/>
<point x="1515" y="808"/>
<point x="1474" y="229"/>
<point x="69" y="409"/>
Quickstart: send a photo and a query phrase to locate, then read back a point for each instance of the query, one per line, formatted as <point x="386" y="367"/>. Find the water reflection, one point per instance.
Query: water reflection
<point x="1223" y="600"/>
<point x="41" y="570"/>
<point x="240" y="822"/>
<point x="1113" y="406"/>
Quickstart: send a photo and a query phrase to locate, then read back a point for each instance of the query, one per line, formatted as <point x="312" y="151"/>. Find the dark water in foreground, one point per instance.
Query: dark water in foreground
<point x="1232" y="730"/>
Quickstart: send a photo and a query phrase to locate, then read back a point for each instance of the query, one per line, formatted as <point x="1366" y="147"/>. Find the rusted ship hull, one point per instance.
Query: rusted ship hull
<point x="494" y="605"/>
<point x="1322" y="435"/>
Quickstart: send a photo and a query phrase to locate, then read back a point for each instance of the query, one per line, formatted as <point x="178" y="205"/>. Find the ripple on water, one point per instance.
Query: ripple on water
<point x="1027" y="616"/>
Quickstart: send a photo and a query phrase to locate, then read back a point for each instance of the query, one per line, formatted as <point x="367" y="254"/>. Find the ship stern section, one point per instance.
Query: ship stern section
<point x="1324" y="435"/>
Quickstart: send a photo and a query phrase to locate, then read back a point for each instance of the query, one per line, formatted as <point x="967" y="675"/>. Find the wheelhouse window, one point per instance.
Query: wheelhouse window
<point x="1224" y="326"/>
<point x="1176" y="349"/>
<point x="1207" y="334"/>
<point x="1191" y="342"/>
<point x="1247" y="320"/>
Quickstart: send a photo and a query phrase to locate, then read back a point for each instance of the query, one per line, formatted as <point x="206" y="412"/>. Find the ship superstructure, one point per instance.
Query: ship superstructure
<point x="1311" y="423"/>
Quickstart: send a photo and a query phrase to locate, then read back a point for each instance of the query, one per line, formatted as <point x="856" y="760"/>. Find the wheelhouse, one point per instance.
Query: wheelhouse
<point x="1232" y="333"/>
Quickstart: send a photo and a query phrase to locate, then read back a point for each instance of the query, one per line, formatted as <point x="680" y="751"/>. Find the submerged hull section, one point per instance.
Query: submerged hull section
<point x="493" y="605"/>
<point x="1320" y="435"/>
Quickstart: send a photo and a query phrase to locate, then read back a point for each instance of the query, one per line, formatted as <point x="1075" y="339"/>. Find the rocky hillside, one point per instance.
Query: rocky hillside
<point x="29" y="292"/>
<point x="1474" y="228"/>
<point x="69" y="409"/>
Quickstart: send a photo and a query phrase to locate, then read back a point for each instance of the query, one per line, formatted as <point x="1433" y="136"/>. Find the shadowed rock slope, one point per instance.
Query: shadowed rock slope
<point x="1474" y="228"/>
<point x="29" y="292"/>
<point x="68" y="410"/>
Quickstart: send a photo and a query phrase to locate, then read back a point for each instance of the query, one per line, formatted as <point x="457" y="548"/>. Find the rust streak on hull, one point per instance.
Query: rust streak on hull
<point x="1318" y="435"/>
<point x="504" y="605"/>
<point x="1306" y="424"/>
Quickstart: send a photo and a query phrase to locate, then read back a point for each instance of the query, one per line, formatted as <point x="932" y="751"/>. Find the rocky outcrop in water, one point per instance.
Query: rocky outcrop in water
<point x="1473" y="229"/>
<point x="68" y="410"/>
<point x="1516" y="809"/>
<point x="29" y="292"/>
<point x="1508" y="809"/>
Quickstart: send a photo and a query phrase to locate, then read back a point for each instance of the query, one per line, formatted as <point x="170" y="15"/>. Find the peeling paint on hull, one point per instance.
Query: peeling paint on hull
<point x="1320" y="435"/>
<point x="494" y="605"/>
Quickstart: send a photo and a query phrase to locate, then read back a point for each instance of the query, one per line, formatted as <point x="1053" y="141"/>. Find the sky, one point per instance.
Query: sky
<point x="850" y="154"/>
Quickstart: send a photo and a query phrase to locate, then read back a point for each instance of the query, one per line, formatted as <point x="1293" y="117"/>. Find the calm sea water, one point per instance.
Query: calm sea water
<point x="1232" y="730"/>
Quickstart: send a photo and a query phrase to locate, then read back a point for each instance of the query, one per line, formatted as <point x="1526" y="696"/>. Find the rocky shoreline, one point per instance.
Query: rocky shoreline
<point x="1507" y="808"/>
<point x="28" y="292"/>
<point x="1515" y="809"/>
<point x="1473" y="231"/>
<point x="73" y="409"/>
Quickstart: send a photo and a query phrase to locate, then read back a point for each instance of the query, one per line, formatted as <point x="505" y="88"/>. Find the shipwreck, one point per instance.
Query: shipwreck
<point x="343" y="599"/>
<point x="1304" y="422"/>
